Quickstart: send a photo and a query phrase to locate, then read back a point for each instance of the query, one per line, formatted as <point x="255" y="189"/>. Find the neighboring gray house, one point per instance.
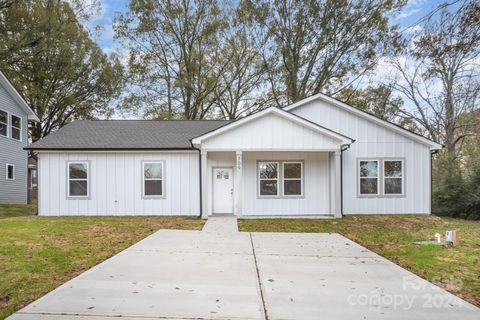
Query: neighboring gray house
<point x="14" y="117"/>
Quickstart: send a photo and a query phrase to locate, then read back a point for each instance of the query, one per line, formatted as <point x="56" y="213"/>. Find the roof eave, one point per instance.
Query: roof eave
<point x="18" y="97"/>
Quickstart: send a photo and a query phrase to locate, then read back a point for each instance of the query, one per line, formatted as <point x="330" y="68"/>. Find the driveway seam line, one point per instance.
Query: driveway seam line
<point x="258" y="278"/>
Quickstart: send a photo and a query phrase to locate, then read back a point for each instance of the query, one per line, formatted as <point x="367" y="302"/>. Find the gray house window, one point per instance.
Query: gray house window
<point x="16" y="128"/>
<point x="153" y="179"/>
<point x="10" y="172"/>
<point x="78" y="179"/>
<point x="3" y="123"/>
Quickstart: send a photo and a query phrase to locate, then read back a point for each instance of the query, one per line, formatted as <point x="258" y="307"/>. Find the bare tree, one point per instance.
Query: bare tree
<point x="319" y="45"/>
<point x="440" y="75"/>
<point x="174" y="57"/>
<point x="242" y="82"/>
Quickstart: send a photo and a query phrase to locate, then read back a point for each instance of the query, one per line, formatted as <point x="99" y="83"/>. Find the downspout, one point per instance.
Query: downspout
<point x="200" y="178"/>
<point x="432" y="152"/>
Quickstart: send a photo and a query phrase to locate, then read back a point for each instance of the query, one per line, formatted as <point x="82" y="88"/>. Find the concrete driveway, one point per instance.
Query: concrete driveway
<point x="219" y="273"/>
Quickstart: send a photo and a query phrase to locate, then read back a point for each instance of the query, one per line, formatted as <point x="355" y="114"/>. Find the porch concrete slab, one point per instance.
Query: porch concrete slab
<point x="154" y="280"/>
<point x="304" y="278"/>
<point x="226" y="224"/>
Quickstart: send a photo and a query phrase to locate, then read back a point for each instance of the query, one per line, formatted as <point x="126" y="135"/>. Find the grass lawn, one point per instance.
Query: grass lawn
<point x="37" y="254"/>
<point x="392" y="237"/>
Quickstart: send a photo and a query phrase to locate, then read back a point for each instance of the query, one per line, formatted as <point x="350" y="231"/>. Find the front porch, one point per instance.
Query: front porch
<point x="272" y="163"/>
<point x="232" y="183"/>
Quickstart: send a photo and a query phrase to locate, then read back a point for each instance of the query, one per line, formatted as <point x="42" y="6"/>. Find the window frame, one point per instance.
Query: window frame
<point x="6" y="124"/>
<point x="12" y="127"/>
<point x="7" y="165"/>
<point x="259" y="194"/>
<point x="381" y="178"/>
<point x="163" y="195"/>
<point x="292" y="179"/>
<point x="359" y="178"/>
<point x="402" y="177"/>
<point x="70" y="197"/>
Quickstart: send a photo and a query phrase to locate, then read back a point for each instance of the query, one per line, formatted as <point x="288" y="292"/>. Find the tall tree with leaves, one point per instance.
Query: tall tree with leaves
<point x="378" y="100"/>
<point x="440" y="75"/>
<point x="175" y="64"/>
<point x="65" y="76"/>
<point x="319" y="45"/>
<point x="242" y="82"/>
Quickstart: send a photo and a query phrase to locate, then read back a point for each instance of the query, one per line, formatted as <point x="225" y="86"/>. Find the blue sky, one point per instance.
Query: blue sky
<point x="411" y="13"/>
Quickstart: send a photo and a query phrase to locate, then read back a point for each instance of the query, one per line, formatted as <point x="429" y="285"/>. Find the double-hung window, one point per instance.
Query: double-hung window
<point x="16" y="127"/>
<point x="268" y="179"/>
<point x="3" y="123"/>
<point x="10" y="172"/>
<point x="369" y="177"/>
<point x="280" y="178"/>
<point x="381" y="177"/>
<point x="393" y="177"/>
<point x="292" y="178"/>
<point x="78" y="175"/>
<point x="153" y="179"/>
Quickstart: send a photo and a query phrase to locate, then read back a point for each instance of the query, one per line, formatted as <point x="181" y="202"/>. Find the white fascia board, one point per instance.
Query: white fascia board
<point x="31" y="116"/>
<point x="432" y="144"/>
<point x="282" y="113"/>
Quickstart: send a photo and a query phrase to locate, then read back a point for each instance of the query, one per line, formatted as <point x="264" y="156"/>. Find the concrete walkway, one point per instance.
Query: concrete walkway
<point x="220" y="273"/>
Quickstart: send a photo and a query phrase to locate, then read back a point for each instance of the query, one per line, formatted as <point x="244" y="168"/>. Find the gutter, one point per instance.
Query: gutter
<point x="109" y="149"/>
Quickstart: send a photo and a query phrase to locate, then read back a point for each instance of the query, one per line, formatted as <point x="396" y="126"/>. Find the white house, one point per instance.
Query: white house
<point x="318" y="156"/>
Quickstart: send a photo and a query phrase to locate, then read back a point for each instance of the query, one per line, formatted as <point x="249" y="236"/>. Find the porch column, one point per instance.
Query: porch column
<point x="238" y="184"/>
<point x="335" y="184"/>
<point x="204" y="193"/>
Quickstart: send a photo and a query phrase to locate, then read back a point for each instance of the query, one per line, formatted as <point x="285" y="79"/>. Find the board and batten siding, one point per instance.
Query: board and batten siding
<point x="11" y="152"/>
<point x="316" y="185"/>
<point x="271" y="132"/>
<point x="375" y="141"/>
<point x="116" y="184"/>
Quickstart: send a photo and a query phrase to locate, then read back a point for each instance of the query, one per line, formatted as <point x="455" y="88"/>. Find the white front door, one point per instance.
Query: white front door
<point x="222" y="190"/>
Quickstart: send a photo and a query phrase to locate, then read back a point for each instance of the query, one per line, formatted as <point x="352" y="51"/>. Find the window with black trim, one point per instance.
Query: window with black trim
<point x="16" y="127"/>
<point x="268" y="178"/>
<point x="292" y="178"/>
<point x="78" y="179"/>
<point x="10" y="172"/>
<point x="153" y="179"/>
<point x="3" y="123"/>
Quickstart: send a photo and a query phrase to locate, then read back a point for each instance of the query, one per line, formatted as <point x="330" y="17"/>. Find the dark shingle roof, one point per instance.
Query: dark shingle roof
<point x="126" y="135"/>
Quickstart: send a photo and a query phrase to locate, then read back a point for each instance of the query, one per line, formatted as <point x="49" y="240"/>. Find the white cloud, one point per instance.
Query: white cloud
<point x="407" y="13"/>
